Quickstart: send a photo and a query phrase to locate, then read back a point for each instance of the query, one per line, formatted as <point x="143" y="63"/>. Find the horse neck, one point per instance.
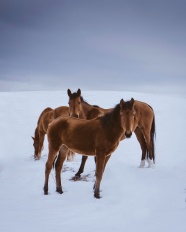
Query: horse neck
<point x="114" y="128"/>
<point x="85" y="109"/>
<point x="36" y="135"/>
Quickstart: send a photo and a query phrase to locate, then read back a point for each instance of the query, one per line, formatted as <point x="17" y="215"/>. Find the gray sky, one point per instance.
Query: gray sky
<point x="93" y="45"/>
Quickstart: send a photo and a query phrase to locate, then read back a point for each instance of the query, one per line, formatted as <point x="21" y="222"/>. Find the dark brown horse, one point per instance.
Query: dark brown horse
<point x="79" y="107"/>
<point x="97" y="137"/>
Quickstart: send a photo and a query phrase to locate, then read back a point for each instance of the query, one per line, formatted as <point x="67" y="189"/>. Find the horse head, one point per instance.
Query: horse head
<point x="74" y="103"/>
<point x="36" y="147"/>
<point x="127" y="114"/>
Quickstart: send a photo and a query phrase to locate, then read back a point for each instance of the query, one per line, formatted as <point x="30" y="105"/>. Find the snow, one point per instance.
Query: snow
<point x="133" y="199"/>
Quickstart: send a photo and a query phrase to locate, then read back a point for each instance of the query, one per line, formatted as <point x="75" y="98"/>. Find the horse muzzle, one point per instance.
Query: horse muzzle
<point x="74" y="115"/>
<point x="128" y="134"/>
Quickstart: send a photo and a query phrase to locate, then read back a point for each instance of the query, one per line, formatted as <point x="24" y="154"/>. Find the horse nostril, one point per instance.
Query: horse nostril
<point x="128" y="134"/>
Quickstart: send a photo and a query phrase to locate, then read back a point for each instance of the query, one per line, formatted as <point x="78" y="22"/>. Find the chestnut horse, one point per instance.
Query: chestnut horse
<point x="97" y="137"/>
<point x="78" y="106"/>
<point x="140" y="115"/>
<point x="45" y="118"/>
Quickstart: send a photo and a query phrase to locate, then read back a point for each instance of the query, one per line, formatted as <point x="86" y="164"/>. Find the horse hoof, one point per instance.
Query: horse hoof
<point x="97" y="196"/>
<point x="45" y="192"/>
<point x="59" y="190"/>
<point x="76" y="177"/>
<point x="142" y="164"/>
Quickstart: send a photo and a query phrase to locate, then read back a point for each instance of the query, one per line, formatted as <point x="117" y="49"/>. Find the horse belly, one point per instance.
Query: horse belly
<point x="84" y="146"/>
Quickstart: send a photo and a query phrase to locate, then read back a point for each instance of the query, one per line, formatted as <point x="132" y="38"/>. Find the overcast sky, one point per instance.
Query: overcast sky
<point x="93" y="45"/>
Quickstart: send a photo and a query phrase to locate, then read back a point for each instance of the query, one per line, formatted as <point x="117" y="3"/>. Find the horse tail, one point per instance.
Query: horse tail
<point x="152" y="137"/>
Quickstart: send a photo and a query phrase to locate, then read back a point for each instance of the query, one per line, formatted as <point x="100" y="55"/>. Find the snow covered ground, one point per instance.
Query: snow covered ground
<point x="133" y="199"/>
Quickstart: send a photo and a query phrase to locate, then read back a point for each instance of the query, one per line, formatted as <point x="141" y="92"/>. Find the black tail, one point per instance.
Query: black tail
<point x="152" y="140"/>
<point x="152" y="137"/>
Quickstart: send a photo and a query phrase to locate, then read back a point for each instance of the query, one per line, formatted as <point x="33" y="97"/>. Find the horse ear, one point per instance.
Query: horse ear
<point x="69" y="92"/>
<point x="33" y="138"/>
<point x="132" y="102"/>
<point x="79" y="92"/>
<point x="122" y="103"/>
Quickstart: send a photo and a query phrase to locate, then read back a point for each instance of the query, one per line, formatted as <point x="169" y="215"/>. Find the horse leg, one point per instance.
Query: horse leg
<point x="106" y="160"/>
<point x="141" y="140"/>
<point x="58" y="166"/>
<point x="81" y="169"/>
<point x="51" y="156"/>
<point x="146" y="134"/>
<point x="100" y="164"/>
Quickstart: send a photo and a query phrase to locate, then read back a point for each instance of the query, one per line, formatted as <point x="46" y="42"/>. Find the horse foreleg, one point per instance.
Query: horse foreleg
<point x="100" y="165"/>
<point x="81" y="168"/>
<point x="141" y="140"/>
<point x="58" y="166"/>
<point x="51" y="156"/>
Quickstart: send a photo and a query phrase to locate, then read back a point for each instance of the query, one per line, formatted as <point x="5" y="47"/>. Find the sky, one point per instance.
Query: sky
<point x="93" y="45"/>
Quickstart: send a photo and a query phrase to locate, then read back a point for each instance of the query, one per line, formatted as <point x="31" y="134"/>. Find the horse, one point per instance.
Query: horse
<point x="78" y="106"/>
<point x="45" y="118"/>
<point x="97" y="137"/>
<point x="141" y="115"/>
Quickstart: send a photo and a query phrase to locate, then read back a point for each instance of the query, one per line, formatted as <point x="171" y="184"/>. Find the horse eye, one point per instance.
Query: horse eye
<point x="79" y="102"/>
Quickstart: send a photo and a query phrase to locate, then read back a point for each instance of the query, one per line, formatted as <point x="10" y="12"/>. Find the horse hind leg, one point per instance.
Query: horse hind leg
<point x="58" y="166"/>
<point x="141" y="140"/>
<point x="150" y="151"/>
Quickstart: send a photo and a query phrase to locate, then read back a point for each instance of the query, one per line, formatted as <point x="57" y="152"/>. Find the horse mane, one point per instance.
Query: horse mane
<point x="109" y="118"/>
<point x="36" y="134"/>
<point x="84" y="101"/>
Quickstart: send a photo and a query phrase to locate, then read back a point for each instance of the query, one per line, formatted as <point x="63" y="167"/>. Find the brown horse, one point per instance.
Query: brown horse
<point x="97" y="137"/>
<point x="140" y="115"/>
<point x="79" y="107"/>
<point x="45" y="118"/>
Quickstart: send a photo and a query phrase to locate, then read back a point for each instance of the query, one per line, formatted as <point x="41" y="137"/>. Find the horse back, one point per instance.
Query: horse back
<point x="48" y="109"/>
<point x="61" y="111"/>
<point x="144" y="113"/>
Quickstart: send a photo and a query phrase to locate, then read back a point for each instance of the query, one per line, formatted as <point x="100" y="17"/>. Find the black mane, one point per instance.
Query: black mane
<point x="109" y="118"/>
